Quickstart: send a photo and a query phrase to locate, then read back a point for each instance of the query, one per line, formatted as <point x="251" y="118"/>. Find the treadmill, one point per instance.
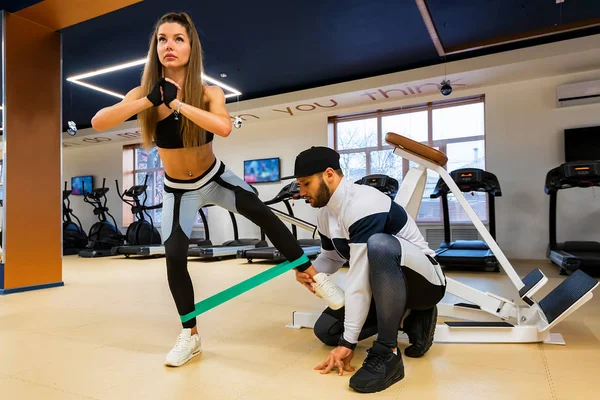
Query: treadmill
<point x="229" y="248"/>
<point x="384" y="183"/>
<point x="148" y="251"/>
<point x="381" y="182"/>
<point x="143" y="238"/>
<point x="311" y="247"/>
<point x="468" y="254"/>
<point x="574" y="255"/>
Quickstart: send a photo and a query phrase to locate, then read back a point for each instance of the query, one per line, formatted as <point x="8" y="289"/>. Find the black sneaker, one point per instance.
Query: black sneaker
<point x="420" y="328"/>
<point x="381" y="369"/>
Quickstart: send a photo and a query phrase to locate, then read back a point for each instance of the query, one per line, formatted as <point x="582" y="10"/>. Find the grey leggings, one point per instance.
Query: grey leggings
<point x="218" y="186"/>
<point x="395" y="287"/>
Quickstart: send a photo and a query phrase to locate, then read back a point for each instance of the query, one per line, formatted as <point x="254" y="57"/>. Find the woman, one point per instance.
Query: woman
<point x="181" y="115"/>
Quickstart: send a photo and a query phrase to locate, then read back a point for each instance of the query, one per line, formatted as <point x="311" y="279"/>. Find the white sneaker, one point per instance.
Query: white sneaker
<point x="187" y="347"/>
<point x="328" y="291"/>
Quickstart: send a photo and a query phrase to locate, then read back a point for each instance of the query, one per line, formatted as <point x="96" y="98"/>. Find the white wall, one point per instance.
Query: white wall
<point x="101" y="161"/>
<point x="281" y="138"/>
<point x="524" y="140"/>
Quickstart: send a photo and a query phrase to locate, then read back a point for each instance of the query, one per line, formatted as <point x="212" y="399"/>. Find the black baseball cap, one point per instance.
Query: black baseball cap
<point x="314" y="160"/>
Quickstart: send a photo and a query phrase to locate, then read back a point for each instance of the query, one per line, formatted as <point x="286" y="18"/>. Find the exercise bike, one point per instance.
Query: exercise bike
<point x="143" y="239"/>
<point x="103" y="235"/>
<point x="74" y="237"/>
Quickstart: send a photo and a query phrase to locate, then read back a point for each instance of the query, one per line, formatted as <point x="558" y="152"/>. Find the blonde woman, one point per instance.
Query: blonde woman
<point x="181" y="115"/>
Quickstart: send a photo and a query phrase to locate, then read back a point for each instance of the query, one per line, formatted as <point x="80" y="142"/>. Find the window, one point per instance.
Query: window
<point x="140" y="164"/>
<point x="148" y="164"/>
<point x="455" y="127"/>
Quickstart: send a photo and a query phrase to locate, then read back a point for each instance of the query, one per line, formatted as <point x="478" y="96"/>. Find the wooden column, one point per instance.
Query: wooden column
<point x="32" y="234"/>
<point x="32" y="254"/>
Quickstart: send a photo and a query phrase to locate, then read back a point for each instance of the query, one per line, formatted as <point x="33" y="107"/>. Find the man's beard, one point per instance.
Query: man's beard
<point x="322" y="197"/>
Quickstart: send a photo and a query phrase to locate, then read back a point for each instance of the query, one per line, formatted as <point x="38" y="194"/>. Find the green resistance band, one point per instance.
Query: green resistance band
<point x="242" y="287"/>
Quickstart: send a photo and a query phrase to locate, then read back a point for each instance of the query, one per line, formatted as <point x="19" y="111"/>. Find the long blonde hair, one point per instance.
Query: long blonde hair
<point x="193" y="89"/>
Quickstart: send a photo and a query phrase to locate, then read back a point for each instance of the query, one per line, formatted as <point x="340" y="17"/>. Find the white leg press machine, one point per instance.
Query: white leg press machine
<point x="483" y="317"/>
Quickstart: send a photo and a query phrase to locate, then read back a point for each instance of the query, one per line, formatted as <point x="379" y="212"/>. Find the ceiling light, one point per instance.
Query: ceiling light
<point x="107" y="70"/>
<point x="77" y="79"/>
<point x="98" y="88"/>
<point x="234" y="92"/>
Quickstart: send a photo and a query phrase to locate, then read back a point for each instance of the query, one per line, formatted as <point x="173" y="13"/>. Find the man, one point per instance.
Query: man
<point x="392" y="270"/>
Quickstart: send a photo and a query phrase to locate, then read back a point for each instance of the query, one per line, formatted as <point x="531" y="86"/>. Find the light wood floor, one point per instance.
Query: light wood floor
<point x="105" y="335"/>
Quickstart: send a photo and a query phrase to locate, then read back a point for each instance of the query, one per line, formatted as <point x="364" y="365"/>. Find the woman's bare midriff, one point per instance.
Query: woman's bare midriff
<point x="187" y="163"/>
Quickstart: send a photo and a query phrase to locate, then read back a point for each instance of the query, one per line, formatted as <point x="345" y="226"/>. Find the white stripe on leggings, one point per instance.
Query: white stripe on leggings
<point x="195" y="185"/>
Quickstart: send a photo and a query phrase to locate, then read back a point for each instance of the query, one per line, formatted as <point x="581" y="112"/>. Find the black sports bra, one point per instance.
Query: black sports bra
<point x="168" y="136"/>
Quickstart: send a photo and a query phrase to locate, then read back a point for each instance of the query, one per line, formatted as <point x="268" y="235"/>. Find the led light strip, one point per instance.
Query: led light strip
<point x="77" y="79"/>
<point x="98" y="88"/>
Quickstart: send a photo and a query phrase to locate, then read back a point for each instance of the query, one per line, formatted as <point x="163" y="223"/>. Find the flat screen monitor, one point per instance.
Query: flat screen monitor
<point x="79" y="183"/>
<point x="262" y="170"/>
<point x="582" y="144"/>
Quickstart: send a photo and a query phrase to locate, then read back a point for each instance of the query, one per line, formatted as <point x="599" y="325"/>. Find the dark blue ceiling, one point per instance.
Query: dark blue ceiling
<point x="461" y="22"/>
<point x="16" y="5"/>
<point x="270" y="47"/>
<point x="265" y="47"/>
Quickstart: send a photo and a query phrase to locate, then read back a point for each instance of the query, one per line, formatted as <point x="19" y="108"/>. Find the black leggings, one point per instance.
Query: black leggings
<point x="395" y="287"/>
<point x="181" y="202"/>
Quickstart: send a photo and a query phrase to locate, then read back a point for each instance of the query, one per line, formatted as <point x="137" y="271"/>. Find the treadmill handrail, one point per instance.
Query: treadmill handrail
<point x="489" y="184"/>
<point x="295" y="221"/>
<point x="564" y="176"/>
<point x="291" y="192"/>
<point x="291" y="213"/>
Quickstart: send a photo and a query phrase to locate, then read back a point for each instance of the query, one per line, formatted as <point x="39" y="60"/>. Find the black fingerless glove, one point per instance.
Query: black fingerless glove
<point x="169" y="92"/>
<point x="154" y="96"/>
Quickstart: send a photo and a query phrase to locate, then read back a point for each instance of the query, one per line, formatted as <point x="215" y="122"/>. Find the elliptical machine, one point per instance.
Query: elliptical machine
<point x="141" y="235"/>
<point x="74" y="237"/>
<point x="103" y="235"/>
